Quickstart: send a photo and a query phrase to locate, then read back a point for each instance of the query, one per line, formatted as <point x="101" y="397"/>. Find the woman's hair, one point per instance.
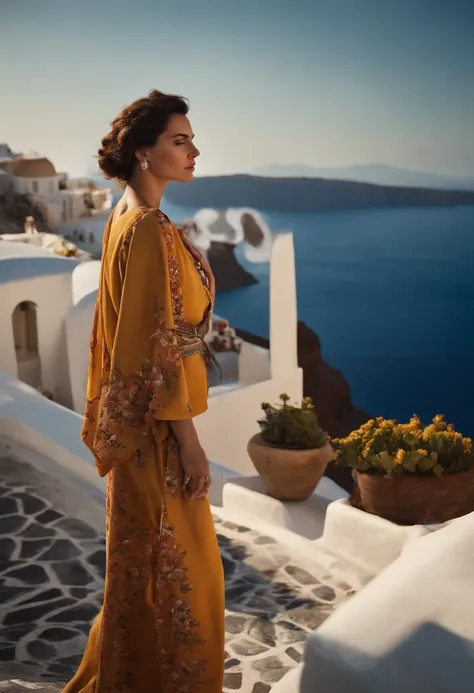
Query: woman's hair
<point x="137" y="126"/>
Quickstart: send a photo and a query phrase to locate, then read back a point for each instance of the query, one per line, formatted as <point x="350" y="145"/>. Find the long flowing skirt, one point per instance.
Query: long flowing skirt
<point x="161" y="627"/>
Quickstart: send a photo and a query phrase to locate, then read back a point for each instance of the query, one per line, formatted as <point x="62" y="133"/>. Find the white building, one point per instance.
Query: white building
<point x="61" y="200"/>
<point x="6" y="183"/>
<point x="40" y="240"/>
<point x="35" y="298"/>
<point x="6" y="156"/>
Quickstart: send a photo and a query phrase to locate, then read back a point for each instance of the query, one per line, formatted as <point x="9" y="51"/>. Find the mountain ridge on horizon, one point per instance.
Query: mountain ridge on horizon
<point x="378" y="174"/>
<point x="307" y="194"/>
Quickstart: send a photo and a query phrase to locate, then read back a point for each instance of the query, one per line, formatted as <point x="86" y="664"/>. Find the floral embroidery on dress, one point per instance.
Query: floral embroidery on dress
<point x="175" y="283"/>
<point x="178" y="675"/>
<point x="137" y="550"/>
<point x="173" y="263"/>
<point x="145" y="560"/>
<point x="124" y="250"/>
<point x="129" y="566"/>
<point x="135" y="400"/>
<point x="172" y="586"/>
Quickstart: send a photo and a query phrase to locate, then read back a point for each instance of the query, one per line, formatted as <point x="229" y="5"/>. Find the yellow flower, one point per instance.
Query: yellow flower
<point x="399" y="457"/>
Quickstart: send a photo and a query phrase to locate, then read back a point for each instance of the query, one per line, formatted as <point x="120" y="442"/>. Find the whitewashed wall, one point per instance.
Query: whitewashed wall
<point x="50" y="435"/>
<point x="283" y="308"/>
<point x="234" y="411"/>
<point x="53" y="209"/>
<point x="85" y="280"/>
<point x="78" y="331"/>
<point x="75" y="204"/>
<point x="41" y="186"/>
<point x="53" y="297"/>
<point x="411" y="629"/>
<point x="254" y="364"/>
<point x="232" y="416"/>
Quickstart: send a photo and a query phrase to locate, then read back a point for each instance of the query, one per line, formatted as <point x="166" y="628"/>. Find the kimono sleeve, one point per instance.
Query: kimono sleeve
<point x="147" y="381"/>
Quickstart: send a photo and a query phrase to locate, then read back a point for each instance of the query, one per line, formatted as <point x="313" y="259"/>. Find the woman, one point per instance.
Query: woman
<point x="161" y="627"/>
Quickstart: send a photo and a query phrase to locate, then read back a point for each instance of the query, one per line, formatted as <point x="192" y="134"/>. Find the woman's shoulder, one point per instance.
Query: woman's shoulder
<point x="146" y="230"/>
<point x="145" y="217"/>
<point x="141" y="222"/>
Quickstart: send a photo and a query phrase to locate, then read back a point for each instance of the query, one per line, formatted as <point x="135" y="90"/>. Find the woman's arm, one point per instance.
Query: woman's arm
<point x="147" y="384"/>
<point x="193" y="459"/>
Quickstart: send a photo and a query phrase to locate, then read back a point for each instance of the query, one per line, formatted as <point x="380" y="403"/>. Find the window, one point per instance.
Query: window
<point x="25" y="336"/>
<point x="25" y="330"/>
<point x="35" y="186"/>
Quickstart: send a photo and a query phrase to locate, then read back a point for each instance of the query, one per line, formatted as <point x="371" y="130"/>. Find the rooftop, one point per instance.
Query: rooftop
<point x="32" y="165"/>
<point x="36" y="245"/>
<point x="14" y="269"/>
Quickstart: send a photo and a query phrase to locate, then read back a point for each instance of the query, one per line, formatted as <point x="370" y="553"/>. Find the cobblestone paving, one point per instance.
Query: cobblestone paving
<point x="51" y="582"/>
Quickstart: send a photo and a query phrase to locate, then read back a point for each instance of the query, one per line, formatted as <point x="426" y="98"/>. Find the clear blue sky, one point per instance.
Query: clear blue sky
<point x="318" y="82"/>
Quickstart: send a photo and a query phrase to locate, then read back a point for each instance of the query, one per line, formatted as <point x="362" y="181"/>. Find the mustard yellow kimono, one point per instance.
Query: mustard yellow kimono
<point x="161" y="628"/>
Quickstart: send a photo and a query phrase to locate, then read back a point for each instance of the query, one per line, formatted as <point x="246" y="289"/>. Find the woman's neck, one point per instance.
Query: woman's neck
<point x="144" y="192"/>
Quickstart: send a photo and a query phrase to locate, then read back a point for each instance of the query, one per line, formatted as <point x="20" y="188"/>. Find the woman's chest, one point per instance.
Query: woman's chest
<point x="195" y="295"/>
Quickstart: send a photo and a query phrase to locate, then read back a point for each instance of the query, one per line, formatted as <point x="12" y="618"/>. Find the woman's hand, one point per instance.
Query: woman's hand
<point x="203" y="261"/>
<point x="197" y="477"/>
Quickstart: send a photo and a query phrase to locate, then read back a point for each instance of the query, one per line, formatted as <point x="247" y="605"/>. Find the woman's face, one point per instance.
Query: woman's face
<point x="174" y="154"/>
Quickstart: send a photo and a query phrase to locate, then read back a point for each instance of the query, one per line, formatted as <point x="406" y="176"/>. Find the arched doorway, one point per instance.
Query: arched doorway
<point x="25" y="336"/>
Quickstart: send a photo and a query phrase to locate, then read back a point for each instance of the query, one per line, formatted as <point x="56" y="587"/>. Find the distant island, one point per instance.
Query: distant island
<point x="378" y="174"/>
<point x="306" y="194"/>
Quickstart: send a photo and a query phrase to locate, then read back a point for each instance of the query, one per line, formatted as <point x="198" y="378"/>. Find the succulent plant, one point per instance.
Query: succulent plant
<point x="384" y="446"/>
<point x="290" y="426"/>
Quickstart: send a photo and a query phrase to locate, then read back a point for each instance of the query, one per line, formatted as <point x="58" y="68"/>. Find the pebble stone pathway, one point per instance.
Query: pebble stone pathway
<point x="51" y="582"/>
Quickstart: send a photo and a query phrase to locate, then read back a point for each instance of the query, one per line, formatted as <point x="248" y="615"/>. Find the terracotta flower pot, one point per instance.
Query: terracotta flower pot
<point x="415" y="499"/>
<point x="288" y="474"/>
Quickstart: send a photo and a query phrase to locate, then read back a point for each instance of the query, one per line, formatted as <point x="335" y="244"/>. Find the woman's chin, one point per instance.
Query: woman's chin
<point x="185" y="177"/>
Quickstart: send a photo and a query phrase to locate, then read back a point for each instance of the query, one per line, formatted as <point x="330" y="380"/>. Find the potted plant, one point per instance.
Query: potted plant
<point x="223" y="338"/>
<point x="291" y="452"/>
<point x="408" y="473"/>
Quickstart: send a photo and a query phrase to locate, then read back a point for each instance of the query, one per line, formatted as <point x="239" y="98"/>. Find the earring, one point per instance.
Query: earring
<point x="144" y="164"/>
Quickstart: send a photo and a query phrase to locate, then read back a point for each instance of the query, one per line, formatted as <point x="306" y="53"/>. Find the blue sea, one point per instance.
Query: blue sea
<point x="390" y="293"/>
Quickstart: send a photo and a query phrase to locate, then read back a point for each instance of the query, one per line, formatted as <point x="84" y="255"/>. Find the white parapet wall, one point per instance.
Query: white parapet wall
<point x="232" y="416"/>
<point x="78" y="331"/>
<point x="368" y="540"/>
<point x="46" y="427"/>
<point x="254" y="364"/>
<point x="52" y="432"/>
<point x="411" y="629"/>
<point x="45" y="283"/>
<point x="306" y="519"/>
<point x="234" y="411"/>
<point x="283" y="308"/>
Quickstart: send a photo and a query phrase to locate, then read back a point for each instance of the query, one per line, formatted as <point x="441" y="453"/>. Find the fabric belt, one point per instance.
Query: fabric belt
<point x="191" y="341"/>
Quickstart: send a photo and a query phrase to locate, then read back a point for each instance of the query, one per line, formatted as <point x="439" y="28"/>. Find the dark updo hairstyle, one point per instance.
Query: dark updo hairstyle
<point x="137" y="126"/>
